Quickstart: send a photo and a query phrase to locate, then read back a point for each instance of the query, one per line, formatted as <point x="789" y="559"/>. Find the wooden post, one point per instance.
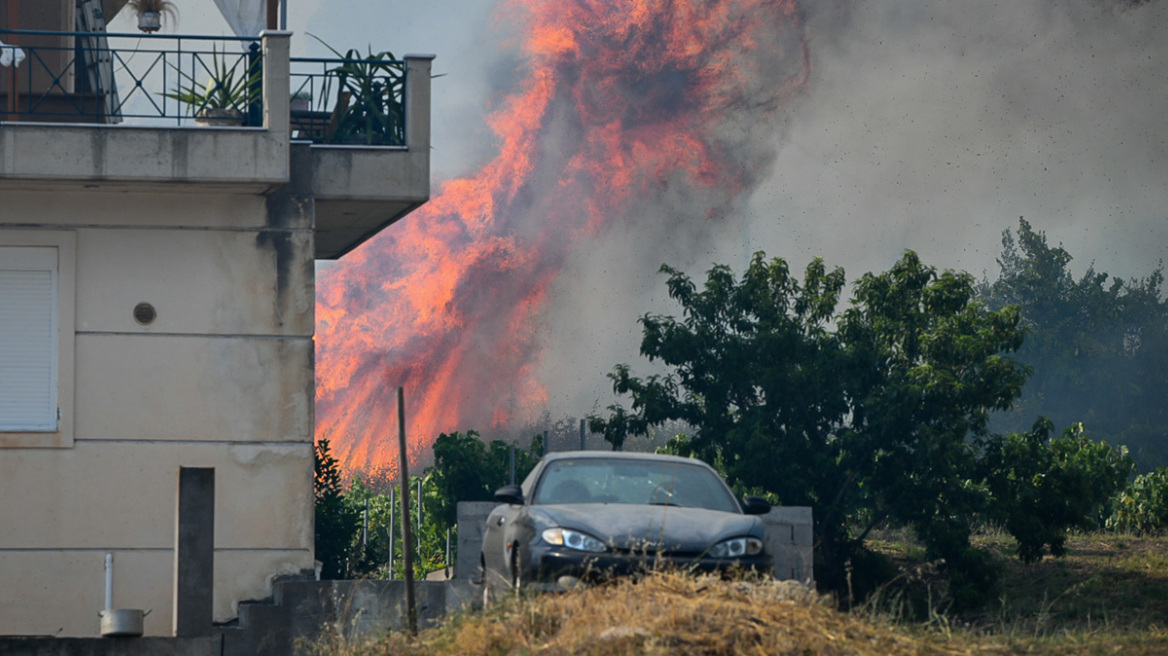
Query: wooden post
<point x="273" y="14"/>
<point x="407" y="535"/>
<point x="391" y="518"/>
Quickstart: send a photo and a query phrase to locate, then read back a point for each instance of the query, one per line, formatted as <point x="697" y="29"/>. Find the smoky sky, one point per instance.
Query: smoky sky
<point x="934" y="125"/>
<point x="926" y="125"/>
<point x="929" y="125"/>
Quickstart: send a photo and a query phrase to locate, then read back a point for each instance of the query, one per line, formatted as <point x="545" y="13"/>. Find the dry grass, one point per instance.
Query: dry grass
<point x="1108" y="596"/>
<point x="669" y="613"/>
<point x="1106" y="582"/>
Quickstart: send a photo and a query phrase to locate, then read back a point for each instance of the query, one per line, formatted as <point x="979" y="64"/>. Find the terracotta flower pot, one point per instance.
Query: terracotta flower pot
<point x="215" y="117"/>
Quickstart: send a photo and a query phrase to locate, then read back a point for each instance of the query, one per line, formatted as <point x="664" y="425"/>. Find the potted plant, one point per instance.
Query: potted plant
<point x="368" y="106"/>
<point x="301" y="101"/>
<point x="225" y="96"/>
<point x="150" y="13"/>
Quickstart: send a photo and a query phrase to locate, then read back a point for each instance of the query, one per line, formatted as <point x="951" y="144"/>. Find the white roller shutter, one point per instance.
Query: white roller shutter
<point x="28" y="339"/>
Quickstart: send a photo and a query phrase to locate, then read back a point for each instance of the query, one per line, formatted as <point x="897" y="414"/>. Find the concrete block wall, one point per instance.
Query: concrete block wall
<point x="472" y="523"/>
<point x="338" y="612"/>
<point x="789" y="539"/>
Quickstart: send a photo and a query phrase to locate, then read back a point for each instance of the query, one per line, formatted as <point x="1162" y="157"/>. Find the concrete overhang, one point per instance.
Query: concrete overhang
<point x="360" y="191"/>
<point x="46" y="155"/>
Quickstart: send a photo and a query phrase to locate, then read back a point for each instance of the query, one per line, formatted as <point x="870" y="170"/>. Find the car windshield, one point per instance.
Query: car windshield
<point x="604" y="480"/>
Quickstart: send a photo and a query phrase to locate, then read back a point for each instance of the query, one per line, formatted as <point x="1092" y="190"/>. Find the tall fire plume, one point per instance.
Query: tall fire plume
<point x="616" y="103"/>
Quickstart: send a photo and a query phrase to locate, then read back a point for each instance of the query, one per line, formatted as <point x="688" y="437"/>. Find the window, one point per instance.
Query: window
<point x="28" y="351"/>
<point x="36" y="339"/>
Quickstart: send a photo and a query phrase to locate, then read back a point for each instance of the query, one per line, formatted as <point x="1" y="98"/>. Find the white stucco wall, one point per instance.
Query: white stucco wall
<point x="217" y="229"/>
<point x="222" y="378"/>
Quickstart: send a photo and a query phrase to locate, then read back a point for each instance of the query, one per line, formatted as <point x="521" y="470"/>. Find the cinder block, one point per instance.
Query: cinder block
<point x="472" y="523"/>
<point x="789" y="539"/>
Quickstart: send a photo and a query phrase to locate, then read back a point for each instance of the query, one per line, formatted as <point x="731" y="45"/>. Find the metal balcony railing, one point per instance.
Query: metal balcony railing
<point x="349" y="101"/>
<point x="159" y="80"/>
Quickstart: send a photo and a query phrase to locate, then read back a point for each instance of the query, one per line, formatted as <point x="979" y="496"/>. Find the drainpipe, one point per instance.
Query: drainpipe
<point x="109" y="580"/>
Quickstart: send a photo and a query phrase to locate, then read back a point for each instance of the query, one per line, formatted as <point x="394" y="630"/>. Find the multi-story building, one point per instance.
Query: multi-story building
<point x="156" y="302"/>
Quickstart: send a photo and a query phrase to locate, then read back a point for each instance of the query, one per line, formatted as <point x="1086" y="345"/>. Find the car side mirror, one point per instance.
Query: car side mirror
<point x="754" y="506"/>
<point x="511" y="494"/>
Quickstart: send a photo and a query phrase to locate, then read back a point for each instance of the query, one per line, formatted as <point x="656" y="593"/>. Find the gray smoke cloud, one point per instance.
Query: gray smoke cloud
<point x="927" y="125"/>
<point x="934" y="125"/>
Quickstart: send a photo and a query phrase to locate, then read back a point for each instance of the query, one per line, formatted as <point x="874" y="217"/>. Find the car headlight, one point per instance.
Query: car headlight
<point x="566" y="537"/>
<point x="736" y="548"/>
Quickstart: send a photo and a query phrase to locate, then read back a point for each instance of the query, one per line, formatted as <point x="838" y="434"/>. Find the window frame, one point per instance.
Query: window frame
<point x="65" y="242"/>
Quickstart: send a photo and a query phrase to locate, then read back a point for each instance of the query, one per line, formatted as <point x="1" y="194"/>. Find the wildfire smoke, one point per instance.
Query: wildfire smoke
<point x="616" y="104"/>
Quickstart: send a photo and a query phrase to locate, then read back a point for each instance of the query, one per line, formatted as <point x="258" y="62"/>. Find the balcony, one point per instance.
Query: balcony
<point x="191" y="113"/>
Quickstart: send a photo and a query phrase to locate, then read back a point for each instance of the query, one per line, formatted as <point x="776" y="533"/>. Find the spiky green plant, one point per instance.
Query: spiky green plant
<point x="234" y="85"/>
<point x="368" y="100"/>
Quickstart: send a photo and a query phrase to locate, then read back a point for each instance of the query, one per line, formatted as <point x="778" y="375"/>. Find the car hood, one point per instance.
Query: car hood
<point x="653" y="528"/>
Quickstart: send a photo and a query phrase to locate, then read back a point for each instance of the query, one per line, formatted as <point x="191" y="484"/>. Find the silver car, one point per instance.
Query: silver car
<point x="583" y="515"/>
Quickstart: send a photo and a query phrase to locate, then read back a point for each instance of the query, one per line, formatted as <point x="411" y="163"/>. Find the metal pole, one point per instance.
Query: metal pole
<point x="582" y="435"/>
<point x="109" y="578"/>
<point x="512" y="464"/>
<point x="365" y="526"/>
<point x="14" y="24"/>
<point x="255" y="109"/>
<point x="448" y="553"/>
<point x="547" y="446"/>
<point x="407" y="537"/>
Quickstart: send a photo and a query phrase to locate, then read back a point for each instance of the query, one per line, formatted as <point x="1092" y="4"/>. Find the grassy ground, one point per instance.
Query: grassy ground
<point x="1109" y="595"/>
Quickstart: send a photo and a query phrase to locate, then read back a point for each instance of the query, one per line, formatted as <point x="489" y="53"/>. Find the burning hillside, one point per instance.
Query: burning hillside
<point x="614" y="106"/>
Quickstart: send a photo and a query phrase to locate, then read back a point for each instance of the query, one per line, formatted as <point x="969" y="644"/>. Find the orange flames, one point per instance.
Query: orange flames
<point x="619" y="100"/>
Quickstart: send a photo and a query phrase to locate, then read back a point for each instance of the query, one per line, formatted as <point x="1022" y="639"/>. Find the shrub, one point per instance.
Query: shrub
<point x="1143" y="506"/>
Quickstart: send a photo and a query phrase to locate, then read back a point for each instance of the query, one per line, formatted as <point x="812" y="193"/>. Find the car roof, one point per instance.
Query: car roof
<point x="528" y="484"/>
<point x="620" y="455"/>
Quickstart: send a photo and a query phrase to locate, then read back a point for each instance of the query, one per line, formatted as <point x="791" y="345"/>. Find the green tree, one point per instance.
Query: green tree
<point x="1041" y="486"/>
<point x="467" y="469"/>
<point x="336" y="521"/>
<point x="861" y="414"/>
<point x="1098" y="345"/>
